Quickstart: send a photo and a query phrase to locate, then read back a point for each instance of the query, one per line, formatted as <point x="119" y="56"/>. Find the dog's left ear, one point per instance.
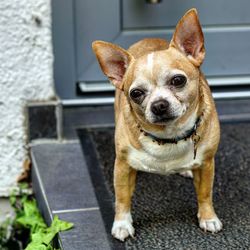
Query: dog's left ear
<point x="188" y="38"/>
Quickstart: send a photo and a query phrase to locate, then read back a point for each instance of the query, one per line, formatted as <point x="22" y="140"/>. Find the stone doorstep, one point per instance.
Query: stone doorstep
<point x="63" y="187"/>
<point x="62" y="182"/>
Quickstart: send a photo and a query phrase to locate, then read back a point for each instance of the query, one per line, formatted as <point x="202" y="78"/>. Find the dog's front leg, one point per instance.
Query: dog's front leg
<point x="203" y="182"/>
<point x="124" y="183"/>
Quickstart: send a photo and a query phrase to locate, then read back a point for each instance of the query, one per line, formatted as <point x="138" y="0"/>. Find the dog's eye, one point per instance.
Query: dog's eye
<point x="178" y="81"/>
<point x="137" y="95"/>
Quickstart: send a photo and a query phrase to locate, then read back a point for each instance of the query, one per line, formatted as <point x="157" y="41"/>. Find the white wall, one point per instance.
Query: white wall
<point x="25" y="75"/>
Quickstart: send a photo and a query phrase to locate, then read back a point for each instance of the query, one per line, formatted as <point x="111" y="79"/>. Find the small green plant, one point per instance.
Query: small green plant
<point x="7" y="239"/>
<point x="28" y="223"/>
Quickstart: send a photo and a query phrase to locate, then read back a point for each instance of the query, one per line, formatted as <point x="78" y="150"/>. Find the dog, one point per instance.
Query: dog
<point x="165" y="116"/>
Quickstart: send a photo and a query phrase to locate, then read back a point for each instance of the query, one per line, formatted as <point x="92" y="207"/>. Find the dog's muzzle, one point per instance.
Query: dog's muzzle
<point x="161" y="110"/>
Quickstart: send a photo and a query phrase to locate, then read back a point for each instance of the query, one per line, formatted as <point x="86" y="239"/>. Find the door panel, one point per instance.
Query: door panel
<point x="94" y="20"/>
<point x="137" y="14"/>
<point x="227" y="53"/>
<point x="77" y="23"/>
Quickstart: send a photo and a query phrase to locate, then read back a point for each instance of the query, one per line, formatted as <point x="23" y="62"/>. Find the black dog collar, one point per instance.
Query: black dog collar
<point x="191" y="133"/>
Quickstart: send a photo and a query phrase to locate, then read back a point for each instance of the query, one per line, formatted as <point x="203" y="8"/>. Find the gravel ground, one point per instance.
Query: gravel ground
<point x="164" y="207"/>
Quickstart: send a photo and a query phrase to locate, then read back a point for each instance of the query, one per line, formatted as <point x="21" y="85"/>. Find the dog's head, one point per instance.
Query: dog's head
<point x="163" y="85"/>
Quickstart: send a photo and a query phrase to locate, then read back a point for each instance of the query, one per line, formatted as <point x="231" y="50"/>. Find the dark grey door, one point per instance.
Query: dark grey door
<point x="226" y="25"/>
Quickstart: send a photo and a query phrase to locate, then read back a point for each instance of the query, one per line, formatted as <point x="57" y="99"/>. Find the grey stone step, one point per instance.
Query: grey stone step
<point x="63" y="187"/>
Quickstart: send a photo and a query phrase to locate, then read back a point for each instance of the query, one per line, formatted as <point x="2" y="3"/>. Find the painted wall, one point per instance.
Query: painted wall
<point x="25" y="75"/>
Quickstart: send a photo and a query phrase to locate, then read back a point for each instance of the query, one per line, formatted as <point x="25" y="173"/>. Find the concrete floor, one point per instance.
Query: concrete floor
<point x="5" y="209"/>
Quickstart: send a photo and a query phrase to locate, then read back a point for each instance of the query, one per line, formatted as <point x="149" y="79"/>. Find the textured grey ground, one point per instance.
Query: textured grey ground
<point x="5" y="209"/>
<point x="164" y="207"/>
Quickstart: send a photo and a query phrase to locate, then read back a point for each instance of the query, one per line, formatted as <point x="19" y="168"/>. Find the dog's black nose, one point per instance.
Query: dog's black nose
<point x="159" y="107"/>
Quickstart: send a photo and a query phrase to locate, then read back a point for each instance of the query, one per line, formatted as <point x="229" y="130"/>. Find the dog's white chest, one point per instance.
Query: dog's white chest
<point x="163" y="159"/>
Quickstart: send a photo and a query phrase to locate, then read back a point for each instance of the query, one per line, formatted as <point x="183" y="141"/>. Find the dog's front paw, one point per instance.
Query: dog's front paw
<point x="187" y="174"/>
<point x="123" y="228"/>
<point x="213" y="225"/>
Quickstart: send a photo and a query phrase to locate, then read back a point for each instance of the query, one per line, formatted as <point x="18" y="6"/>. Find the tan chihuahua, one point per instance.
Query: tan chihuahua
<point x="166" y="121"/>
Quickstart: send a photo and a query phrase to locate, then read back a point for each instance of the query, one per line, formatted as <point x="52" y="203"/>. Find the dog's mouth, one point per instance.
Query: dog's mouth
<point x="163" y="120"/>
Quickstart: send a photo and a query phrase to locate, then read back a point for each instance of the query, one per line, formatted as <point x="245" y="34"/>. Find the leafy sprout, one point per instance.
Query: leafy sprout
<point x="29" y="218"/>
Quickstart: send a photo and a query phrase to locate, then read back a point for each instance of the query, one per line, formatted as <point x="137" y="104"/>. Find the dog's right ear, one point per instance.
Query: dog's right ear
<point x="113" y="61"/>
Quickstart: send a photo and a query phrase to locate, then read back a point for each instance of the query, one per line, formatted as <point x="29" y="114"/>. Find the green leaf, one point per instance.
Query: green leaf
<point x="12" y="200"/>
<point x="31" y="218"/>
<point x="38" y="246"/>
<point x="28" y="216"/>
<point x="61" y="225"/>
<point x="23" y="185"/>
<point x="41" y="240"/>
